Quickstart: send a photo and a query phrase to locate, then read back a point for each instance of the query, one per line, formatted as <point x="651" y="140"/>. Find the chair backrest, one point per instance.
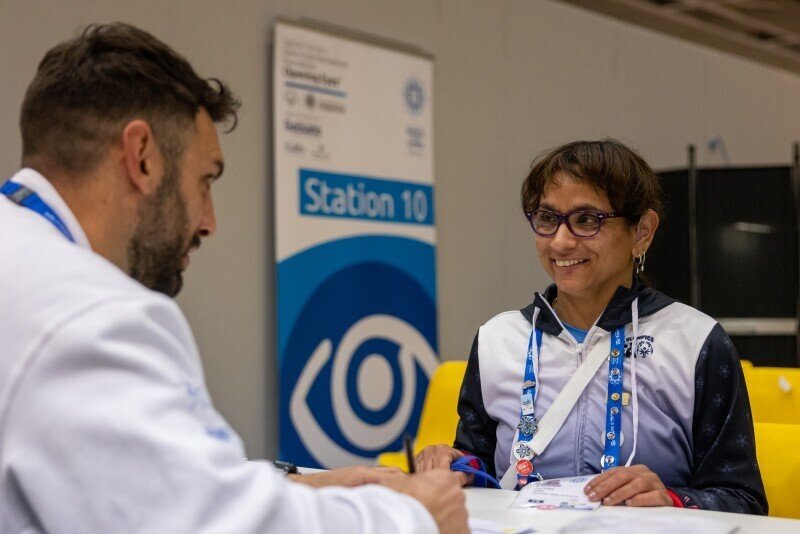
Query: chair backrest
<point x="774" y="394"/>
<point x="437" y="423"/>
<point x="776" y="448"/>
<point x="747" y="368"/>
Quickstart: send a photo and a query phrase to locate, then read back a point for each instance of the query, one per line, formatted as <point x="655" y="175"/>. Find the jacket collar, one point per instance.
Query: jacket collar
<point x="616" y="314"/>
<point x="42" y="187"/>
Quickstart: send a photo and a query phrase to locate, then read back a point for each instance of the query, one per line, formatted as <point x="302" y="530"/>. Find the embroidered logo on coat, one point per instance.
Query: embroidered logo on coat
<point x="644" y="346"/>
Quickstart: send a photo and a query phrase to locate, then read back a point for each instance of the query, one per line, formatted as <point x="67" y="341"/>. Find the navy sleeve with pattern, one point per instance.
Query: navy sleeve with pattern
<point x="475" y="433"/>
<point x="725" y="474"/>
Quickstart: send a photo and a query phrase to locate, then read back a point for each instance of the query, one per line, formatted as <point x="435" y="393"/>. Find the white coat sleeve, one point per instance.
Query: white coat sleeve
<point x="111" y="430"/>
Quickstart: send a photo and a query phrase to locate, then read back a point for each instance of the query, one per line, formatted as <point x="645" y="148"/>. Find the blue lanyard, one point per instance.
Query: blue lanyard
<point x="528" y="420"/>
<point x="528" y="423"/>
<point x="616" y="370"/>
<point x="22" y="196"/>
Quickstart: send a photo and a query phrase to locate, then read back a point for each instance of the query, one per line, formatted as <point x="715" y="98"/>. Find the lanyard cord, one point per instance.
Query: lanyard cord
<point x="634" y="389"/>
<point x="613" y="435"/>
<point x="27" y="198"/>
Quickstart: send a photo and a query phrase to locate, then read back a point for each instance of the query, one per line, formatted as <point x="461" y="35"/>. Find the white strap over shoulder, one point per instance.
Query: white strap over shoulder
<point x="557" y="413"/>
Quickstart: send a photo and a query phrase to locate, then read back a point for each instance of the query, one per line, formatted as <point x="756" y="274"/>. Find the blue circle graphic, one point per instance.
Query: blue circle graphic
<point x="348" y="295"/>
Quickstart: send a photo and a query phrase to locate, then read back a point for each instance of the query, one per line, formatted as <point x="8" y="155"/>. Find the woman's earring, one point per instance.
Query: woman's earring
<point x="638" y="263"/>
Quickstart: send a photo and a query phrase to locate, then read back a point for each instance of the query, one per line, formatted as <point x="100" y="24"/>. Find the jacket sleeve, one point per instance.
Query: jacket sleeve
<point x="475" y="433"/>
<point x="112" y="430"/>
<point x="725" y="475"/>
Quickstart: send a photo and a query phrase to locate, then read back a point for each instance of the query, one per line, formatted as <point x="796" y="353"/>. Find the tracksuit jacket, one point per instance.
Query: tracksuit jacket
<point x="695" y="427"/>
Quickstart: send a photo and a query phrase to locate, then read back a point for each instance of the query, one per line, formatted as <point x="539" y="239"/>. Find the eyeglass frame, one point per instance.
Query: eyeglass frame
<point x="564" y="218"/>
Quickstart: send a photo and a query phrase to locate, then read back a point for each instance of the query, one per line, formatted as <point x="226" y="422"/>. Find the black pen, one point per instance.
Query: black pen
<point x="409" y="454"/>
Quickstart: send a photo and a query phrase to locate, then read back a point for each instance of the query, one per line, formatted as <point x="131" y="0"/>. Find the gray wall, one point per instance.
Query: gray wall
<point x="511" y="79"/>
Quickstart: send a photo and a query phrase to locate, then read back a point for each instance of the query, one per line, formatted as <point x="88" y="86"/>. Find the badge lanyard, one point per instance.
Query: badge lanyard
<point x="527" y="419"/>
<point x="523" y="452"/>
<point x="616" y="370"/>
<point x="22" y="196"/>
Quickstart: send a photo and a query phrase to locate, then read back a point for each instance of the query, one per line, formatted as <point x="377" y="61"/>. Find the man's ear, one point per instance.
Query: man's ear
<point x="645" y="231"/>
<point x="142" y="158"/>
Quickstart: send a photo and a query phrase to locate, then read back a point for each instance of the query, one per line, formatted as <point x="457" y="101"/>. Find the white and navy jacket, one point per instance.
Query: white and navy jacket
<point x="695" y="428"/>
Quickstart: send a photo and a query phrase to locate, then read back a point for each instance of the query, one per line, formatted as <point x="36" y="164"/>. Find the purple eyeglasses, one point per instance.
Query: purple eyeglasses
<point x="581" y="223"/>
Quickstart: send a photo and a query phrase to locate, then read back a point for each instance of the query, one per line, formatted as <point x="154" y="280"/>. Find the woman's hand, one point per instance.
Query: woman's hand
<point x="635" y="486"/>
<point x="436" y="457"/>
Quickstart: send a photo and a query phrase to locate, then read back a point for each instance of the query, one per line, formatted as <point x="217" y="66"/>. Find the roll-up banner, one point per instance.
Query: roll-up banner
<point x="355" y="243"/>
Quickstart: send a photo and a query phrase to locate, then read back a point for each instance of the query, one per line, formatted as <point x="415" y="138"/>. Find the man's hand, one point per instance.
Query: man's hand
<point x="635" y="486"/>
<point x="349" y="476"/>
<point x="439" y="491"/>
<point x="436" y="457"/>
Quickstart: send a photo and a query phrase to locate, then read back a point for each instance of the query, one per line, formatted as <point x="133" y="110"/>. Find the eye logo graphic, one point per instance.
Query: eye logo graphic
<point x="357" y="431"/>
<point x="356" y="365"/>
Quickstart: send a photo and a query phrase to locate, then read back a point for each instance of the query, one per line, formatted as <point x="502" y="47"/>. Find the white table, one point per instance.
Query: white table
<point x="492" y="505"/>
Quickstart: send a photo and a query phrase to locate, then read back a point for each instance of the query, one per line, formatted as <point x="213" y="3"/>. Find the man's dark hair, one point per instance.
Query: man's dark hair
<point x="86" y="89"/>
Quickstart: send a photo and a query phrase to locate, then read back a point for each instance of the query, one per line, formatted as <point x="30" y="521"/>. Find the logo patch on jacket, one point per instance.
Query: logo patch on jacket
<point x="644" y="346"/>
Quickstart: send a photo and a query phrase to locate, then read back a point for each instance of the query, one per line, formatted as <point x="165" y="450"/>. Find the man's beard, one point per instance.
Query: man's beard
<point x="156" y="251"/>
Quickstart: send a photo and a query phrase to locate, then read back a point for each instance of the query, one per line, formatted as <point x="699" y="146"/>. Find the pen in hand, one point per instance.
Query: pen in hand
<point x="409" y="454"/>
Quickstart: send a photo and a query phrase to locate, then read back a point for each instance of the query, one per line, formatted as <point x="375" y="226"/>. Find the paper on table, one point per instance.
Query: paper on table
<point x="483" y="526"/>
<point x="556" y="494"/>
<point x="616" y="522"/>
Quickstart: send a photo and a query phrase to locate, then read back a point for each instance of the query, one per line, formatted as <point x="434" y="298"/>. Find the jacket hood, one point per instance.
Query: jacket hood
<point x="616" y="314"/>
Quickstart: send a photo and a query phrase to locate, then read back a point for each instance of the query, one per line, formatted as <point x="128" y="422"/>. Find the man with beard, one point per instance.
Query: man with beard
<point x="105" y="422"/>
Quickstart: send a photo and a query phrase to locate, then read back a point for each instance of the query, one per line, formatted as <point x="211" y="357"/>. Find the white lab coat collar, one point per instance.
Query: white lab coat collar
<point x="42" y="186"/>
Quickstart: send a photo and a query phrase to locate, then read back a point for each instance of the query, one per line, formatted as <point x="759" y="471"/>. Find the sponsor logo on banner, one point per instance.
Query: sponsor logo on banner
<point x="331" y="106"/>
<point x="302" y="128"/>
<point x="294" y="148"/>
<point x="414" y="96"/>
<point x="310" y="101"/>
<point x="320" y="152"/>
<point x="415" y="139"/>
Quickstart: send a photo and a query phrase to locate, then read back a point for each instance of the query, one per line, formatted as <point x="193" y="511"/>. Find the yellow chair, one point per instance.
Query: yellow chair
<point x="438" y="421"/>
<point x="776" y="448"/>
<point x="774" y="394"/>
<point x="747" y="369"/>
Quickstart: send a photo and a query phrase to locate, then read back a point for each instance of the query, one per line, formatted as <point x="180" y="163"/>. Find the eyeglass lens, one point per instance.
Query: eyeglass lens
<point x="582" y="223"/>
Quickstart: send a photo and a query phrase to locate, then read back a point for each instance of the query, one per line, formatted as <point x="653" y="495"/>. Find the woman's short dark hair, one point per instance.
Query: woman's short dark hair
<point x="631" y="185"/>
<point x="87" y="88"/>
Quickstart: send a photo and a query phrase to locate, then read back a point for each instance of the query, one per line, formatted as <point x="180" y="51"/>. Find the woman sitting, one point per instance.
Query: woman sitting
<point x="654" y="397"/>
